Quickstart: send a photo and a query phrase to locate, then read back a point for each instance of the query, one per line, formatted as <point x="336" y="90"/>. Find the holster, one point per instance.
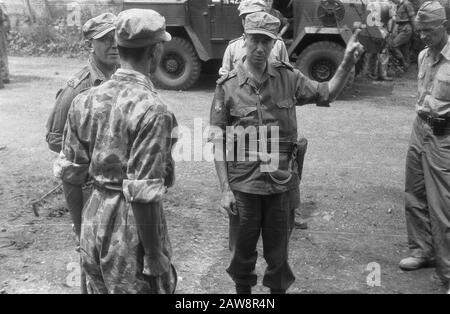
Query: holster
<point x="299" y="154"/>
<point x="439" y="126"/>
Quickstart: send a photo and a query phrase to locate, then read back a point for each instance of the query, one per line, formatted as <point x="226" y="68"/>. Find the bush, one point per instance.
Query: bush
<point x="46" y="39"/>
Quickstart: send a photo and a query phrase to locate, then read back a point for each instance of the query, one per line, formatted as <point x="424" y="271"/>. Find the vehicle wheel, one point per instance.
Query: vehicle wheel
<point x="320" y="61"/>
<point x="180" y="66"/>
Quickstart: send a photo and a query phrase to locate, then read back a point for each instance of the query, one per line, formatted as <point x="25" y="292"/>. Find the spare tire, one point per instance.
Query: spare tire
<point x="180" y="66"/>
<point x="320" y="61"/>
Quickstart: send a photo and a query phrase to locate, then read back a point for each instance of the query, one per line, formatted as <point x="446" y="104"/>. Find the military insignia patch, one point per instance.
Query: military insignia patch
<point x="218" y="106"/>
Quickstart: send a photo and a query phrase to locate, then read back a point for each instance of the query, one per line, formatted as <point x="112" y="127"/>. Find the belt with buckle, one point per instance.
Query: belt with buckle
<point x="430" y="120"/>
<point x="108" y="186"/>
<point x="283" y="147"/>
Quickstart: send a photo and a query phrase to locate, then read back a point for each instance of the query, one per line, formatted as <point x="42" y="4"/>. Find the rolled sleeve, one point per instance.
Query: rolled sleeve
<point x="312" y="92"/>
<point x="150" y="159"/>
<point x="70" y="172"/>
<point x="73" y="163"/>
<point x="144" y="191"/>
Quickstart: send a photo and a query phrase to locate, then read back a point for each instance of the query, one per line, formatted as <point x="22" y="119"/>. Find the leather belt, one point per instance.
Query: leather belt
<point x="108" y="186"/>
<point x="430" y="120"/>
<point x="283" y="147"/>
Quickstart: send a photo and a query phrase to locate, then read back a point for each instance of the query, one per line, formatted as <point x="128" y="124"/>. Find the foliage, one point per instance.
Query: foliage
<point x="46" y="39"/>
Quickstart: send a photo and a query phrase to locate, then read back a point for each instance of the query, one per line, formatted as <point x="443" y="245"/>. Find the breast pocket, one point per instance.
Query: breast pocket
<point x="242" y="110"/>
<point x="244" y="115"/>
<point x="286" y="104"/>
<point x="284" y="112"/>
<point x="441" y="88"/>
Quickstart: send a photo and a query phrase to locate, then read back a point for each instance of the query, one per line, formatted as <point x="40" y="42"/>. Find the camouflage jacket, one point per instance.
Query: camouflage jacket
<point x="120" y="133"/>
<point x="89" y="76"/>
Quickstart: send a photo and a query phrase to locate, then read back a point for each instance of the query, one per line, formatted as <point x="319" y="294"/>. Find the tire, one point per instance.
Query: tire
<point x="180" y="66"/>
<point x="320" y="61"/>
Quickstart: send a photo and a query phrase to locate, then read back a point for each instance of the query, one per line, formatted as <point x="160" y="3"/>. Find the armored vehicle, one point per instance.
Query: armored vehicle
<point x="316" y="39"/>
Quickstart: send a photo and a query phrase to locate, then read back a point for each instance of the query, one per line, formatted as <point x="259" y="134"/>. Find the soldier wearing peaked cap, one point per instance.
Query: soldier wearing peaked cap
<point x="103" y="61"/>
<point x="236" y="49"/>
<point x="427" y="198"/>
<point x="253" y="115"/>
<point x="120" y="135"/>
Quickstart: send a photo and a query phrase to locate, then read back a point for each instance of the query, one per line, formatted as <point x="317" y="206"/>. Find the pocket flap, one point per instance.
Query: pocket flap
<point x="287" y="103"/>
<point x="241" y="111"/>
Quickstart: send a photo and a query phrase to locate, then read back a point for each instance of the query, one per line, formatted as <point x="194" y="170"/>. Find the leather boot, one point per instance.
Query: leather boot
<point x="414" y="263"/>
<point x="243" y="289"/>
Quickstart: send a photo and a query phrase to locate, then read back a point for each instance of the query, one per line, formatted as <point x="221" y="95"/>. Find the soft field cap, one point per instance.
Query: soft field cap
<point x="137" y="28"/>
<point x="251" y="6"/>
<point x="431" y="12"/>
<point x="99" y="26"/>
<point x="262" y="23"/>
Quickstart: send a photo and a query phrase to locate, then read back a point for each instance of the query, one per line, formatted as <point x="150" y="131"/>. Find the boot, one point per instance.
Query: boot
<point x="243" y="289"/>
<point x="300" y="223"/>
<point x="277" y="291"/>
<point x="372" y="67"/>
<point x="372" y="76"/>
<point x="383" y="64"/>
<point x="414" y="263"/>
<point x="386" y="78"/>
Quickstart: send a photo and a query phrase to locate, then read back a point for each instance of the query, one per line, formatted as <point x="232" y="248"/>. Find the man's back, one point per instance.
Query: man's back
<point x="112" y="125"/>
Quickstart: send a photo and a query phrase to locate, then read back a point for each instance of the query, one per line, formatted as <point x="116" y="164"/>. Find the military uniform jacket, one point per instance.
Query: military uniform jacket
<point x="120" y="134"/>
<point x="236" y="103"/>
<point x="89" y="76"/>
<point x="434" y="82"/>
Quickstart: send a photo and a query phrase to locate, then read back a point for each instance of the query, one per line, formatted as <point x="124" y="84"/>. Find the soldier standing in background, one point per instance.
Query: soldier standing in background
<point x="284" y="21"/>
<point x="401" y="43"/>
<point x="378" y="62"/>
<point x="427" y="182"/>
<point x="5" y="27"/>
<point x="236" y="49"/>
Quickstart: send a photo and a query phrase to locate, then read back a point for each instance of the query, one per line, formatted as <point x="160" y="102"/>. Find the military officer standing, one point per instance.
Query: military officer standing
<point x="428" y="160"/>
<point x="260" y="95"/>
<point x="103" y="61"/>
<point x="236" y="49"/>
<point x="120" y="134"/>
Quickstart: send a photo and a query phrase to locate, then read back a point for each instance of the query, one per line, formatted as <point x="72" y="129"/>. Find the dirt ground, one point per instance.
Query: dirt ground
<point x="351" y="192"/>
